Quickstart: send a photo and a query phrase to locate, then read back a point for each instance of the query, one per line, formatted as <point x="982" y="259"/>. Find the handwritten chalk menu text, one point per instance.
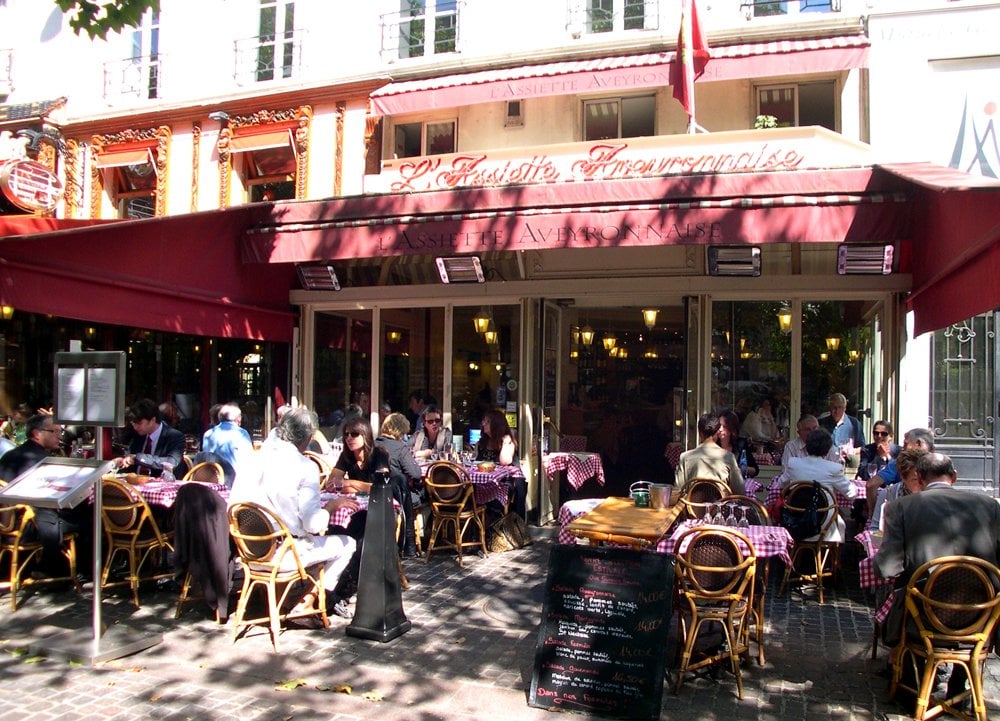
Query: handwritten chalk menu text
<point x="602" y="641"/>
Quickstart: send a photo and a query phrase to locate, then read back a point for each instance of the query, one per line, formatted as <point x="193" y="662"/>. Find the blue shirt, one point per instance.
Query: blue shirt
<point x="889" y="474"/>
<point x="229" y="441"/>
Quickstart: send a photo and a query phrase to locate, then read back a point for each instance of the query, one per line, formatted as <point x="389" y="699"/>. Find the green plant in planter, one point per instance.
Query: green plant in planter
<point x="765" y="121"/>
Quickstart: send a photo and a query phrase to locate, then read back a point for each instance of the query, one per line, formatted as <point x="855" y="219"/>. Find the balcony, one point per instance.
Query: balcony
<point x="425" y="29"/>
<point x="265" y="58"/>
<point x="136" y="78"/>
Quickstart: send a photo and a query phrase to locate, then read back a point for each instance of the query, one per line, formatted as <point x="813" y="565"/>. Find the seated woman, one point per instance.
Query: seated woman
<point x="760" y="426"/>
<point x="729" y="438"/>
<point x="404" y="474"/>
<point x="354" y="472"/>
<point x="432" y="437"/>
<point x="497" y="444"/>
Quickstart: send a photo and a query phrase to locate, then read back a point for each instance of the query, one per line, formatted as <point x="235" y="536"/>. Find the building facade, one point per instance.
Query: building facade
<point x="504" y="213"/>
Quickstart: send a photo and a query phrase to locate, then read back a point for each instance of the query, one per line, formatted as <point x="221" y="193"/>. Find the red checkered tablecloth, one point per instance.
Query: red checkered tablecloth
<point x="164" y="493"/>
<point x="493" y="486"/>
<point x="774" y="493"/>
<point x="768" y="541"/>
<point x="571" y="510"/>
<point x="578" y="466"/>
<point x="752" y="486"/>
<point x="342" y="516"/>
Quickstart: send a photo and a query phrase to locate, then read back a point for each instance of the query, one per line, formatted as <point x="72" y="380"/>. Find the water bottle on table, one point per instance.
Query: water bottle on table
<point x="743" y="463"/>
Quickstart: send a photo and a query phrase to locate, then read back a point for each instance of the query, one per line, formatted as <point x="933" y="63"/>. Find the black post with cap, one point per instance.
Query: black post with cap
<point x="379" y="609"/>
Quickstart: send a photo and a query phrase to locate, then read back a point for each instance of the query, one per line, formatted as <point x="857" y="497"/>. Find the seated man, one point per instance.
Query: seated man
<point x="228" y="440"/>
<point x="154" y="444"/>
<point x="921" y="438"/>
<point x="830" y="474"/>
<point x="287" y="483"/>
<point x="906" y="464"/>
<point x="709" y="460"/>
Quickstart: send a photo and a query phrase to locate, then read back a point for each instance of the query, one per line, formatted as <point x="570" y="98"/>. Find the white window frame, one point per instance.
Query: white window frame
<point x="424" y="150"/>
<point x="393" y="25"/>
<point x="618" y="102"/>
<point x="582" y="16"/>
<point x="796" y="89"/>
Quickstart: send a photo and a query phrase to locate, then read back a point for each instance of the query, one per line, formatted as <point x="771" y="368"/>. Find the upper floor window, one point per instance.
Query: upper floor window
<point x="766" y="8"/>
<point x="138" y="75"/>
<point x="605" y="16"/>
<point x="609" y="118"/>
<point x="276" y="52"/>
<point x="413" y="140"/>
<point x="267" y="164"/>
<point x="421" y="28"/>
<point x="130" y="177"/>
<point x="800" y="104"/>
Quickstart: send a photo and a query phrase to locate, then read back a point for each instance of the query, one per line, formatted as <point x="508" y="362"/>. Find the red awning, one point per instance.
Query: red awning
<point x="619" y="73"/>
<point x="180" y="274"/>
<point x="830" y="206"/>
<point x="956" y="261"/>
<point x="13" y="225"/>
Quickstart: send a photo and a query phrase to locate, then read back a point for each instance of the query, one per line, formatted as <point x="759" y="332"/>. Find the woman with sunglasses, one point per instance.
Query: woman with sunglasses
<point x="876" y="455"/>
<point x="497" y="444"/>
<point x="432" y="437"/>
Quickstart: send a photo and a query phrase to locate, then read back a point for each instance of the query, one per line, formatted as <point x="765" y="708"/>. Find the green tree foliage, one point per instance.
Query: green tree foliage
<point x="97" y="19"/>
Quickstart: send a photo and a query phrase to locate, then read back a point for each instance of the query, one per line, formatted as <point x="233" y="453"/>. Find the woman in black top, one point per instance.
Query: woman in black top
<point x="497" y="444"/>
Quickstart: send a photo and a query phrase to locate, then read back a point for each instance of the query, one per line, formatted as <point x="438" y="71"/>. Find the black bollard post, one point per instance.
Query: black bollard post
<point x="379" y="609"/>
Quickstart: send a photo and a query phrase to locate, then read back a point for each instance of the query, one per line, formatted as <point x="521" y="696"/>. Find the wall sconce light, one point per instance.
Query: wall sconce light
<point x="824" y="357"/>
<point x="587" y="335"/>
<point x="853" y="355"/>
<point x="609" y="341"/>
<point x="6" y="311"/>
<point x="622" y="353"/>
<point x="574" y="354"/>
<point x="491" y="337"/>
<point x="394" y="336"/>
<point x="746" y="355"/>
<point x="743" y="344"/>
<point x="832" y="343"/>
<point x="649" y="317"/>
<point x="575" y="333"/>
<point x="785" y="319"/>
<point x="481" y="321"/>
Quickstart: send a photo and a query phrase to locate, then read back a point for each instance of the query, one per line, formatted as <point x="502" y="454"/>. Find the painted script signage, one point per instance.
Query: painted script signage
<point x="727" y="152"/>
<point x="30" y="185"/>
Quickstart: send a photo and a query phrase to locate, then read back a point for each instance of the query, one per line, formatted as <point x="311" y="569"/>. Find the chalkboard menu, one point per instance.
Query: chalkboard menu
<point x="603" y="637"/>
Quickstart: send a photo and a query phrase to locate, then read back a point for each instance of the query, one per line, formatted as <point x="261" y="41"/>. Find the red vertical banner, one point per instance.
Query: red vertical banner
<point x="692" y="56"/>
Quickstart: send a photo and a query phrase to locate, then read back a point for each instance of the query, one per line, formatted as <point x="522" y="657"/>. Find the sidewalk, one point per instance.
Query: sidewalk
<point x="468" y="656"/>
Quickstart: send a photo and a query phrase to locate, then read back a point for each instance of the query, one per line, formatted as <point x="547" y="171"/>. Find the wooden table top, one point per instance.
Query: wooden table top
<point x="621" y="517"/>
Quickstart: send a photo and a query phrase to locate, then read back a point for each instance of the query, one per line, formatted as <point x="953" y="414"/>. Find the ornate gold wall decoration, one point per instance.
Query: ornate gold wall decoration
<point x="72" y="181"/>
<point x="195" y="164"/>
<point x="303" y="120"/>
<point x="225" y="166"/>
<point x="338" y="150"/>
<point x="373" y="144"/>
<point x="156" y="139"/>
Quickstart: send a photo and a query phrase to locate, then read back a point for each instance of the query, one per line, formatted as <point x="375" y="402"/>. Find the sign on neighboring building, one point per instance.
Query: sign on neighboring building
<point x="30" y="185"/>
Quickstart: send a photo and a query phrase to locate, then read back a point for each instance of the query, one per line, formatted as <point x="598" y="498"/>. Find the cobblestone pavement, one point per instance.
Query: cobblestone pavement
<point x="468" y="656"/>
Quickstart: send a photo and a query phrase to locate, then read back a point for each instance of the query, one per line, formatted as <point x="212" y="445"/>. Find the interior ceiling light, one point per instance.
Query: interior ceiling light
<point x="318" y="277"/>
<point x="864" y="259"/>
<point x="460" y="269"/>
<point x="741" y="260"/>
<point x="649" y="317"/>
<point x="481" y="321"/>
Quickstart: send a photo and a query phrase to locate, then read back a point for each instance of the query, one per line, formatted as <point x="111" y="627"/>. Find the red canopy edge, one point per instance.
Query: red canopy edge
<point x="624" y="71"/>
<point x="19" y="225"/>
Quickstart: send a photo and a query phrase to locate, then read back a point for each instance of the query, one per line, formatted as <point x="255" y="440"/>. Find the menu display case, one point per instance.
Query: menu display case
<point x="55" y="482"/>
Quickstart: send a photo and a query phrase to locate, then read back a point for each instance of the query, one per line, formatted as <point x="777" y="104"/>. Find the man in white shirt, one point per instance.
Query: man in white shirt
<point x="796" y="447"/>
<point x="287" y="483"/>
<point x="830" y="474"/>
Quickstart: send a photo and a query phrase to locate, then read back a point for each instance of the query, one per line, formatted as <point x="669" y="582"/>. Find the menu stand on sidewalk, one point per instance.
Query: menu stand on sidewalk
<point x="90" y="390"/>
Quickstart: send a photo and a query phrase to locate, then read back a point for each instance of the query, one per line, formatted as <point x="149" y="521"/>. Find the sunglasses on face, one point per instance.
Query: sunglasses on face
<point x="352" y="434"/>
<point x="880" y="433"/>
<point x="432" y="421"/>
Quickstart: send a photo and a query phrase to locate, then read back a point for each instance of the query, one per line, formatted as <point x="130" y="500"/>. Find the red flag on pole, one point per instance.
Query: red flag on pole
<point x="692" y="55"/>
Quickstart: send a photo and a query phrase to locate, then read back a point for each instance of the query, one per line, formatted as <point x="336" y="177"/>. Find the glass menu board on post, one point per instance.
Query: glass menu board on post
<point x="90" y="391"/>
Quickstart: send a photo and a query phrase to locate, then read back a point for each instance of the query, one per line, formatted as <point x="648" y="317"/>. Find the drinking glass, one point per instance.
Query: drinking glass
<point x="744" y="522"/>
<point x="873" y="469"/>
<point x="731" y="512"/>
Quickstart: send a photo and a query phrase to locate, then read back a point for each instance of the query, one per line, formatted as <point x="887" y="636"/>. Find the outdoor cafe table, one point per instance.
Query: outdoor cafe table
<point x="578" y="467"/>
<point x="157" y="492"/>
<point x="768" y="541"/>
<point x="342" y="516"/>
<point x="621" y="517"/>
<point x="489" y="486"/>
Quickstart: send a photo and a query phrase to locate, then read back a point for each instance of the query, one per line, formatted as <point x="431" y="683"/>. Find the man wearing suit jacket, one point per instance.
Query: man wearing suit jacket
<point x="939" y="521"/>
<point x="154" y="442"/>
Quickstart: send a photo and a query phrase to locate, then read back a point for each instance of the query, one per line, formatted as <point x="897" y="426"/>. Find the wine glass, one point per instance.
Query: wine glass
<point x="873" y="469"/>
<point x="731" y="512"/>
<point x="718" y="519"/>
<point x="744" y="522"/>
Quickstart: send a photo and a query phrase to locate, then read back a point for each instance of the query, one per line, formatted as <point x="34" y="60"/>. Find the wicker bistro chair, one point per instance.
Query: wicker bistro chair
<point x="129" y="528"/>
<point x="453" y="510"/>
<point x="952" y="611"/>
<point x="757" y="515"/>
<point x="206" y="472"/>
<point x="814" y="559"/>
<point x="715" y="583"/>
<point x="699" y="494"/>
<point x="19" y="542"/>
<point x="270" y="561"/>
<point x="322" y="463"/>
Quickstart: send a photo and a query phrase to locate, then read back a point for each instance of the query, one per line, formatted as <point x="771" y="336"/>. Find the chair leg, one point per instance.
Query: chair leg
<point x="241" y="605"/>
<point x="183" y="597"/>
<point x="273" y="616"/>
<point x="69" y="551"/>
<point x="924" y="693"/>
<point x="818" y="556"/>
